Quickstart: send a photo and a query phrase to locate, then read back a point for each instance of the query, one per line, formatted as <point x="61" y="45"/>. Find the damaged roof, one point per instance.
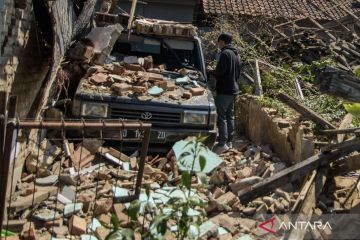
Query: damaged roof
<point x="291" y="9"/>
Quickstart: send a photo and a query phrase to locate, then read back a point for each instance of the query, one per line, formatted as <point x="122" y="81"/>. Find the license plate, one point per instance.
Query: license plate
<point x="155" y="136"/>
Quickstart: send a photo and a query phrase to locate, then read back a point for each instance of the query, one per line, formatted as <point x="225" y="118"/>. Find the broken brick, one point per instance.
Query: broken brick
<point x="226" y="199"/>
<point x="103" y="206"/>
<point x="161" y="84"/>
<point x="77" y="225"/>
<point x="99" y="78"/>
<point x="53" y="223"/>
<point x="118" y="69"/>
<point x="170" y="86"/>
<point x="28" y="232"/>
<point x="134" y="67"/>
<point x="148" y="62"/>
<point x="121" y="88"/>
<point x="139" y="89"/>
<point x="187" y="95"/>
<point x="102" y="233"/>
<point x="197" y="91"/>
<point x="218" y="192"/>
<point x="122" y="217"/>
<point x="154" y="77"/>
<point x="61" y="231"/>
<point x="105" y="219"/>
<point x="173" y="96"/>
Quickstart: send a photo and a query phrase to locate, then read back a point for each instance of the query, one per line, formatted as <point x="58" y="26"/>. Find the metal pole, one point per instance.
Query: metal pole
<point x="113" y="125"/>
<point x="143" y="155"/>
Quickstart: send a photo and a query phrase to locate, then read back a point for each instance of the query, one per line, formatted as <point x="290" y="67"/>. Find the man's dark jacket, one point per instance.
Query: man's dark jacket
<point x="228" y="71"/>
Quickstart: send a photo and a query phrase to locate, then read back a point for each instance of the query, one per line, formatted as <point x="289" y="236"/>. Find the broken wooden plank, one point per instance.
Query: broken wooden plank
<point x="294" y="172"/>
<point x="340" y="131"/>
<point x="305" y="111"/>
<point x="258" y="87"/>
<point x="343" y="125"/>
<point x="339" y="145"/>
<point x="307" y="208"/>
<point x="304" y="190"/>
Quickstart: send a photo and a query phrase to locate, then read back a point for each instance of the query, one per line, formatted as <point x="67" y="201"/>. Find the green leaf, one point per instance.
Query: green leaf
<point x="115" y="221"/>
<point x="202" y="139"/>
<point x="186" y="179"/>
<point x="183" y="155"/>
<point x="147" y="190"/>
<point x="134" y="209"/>
<point x="202" y="161"/>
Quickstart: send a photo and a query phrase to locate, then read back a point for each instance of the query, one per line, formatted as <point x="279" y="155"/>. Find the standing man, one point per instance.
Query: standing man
<point x="227" y="73"/>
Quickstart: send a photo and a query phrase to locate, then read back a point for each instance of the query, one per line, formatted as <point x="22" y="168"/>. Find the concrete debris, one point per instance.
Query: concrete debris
<point x="87" y="196"/>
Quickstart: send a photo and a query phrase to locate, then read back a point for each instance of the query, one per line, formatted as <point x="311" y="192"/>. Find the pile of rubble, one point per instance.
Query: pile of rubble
<point x="71" y="191"/>
<point x="164" y="28"/>
<point x="140" y="78"/>
<point x="131" y="75"/>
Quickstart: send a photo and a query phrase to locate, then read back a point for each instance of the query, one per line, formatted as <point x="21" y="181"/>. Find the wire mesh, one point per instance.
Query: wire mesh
<point x="71" y="176"/>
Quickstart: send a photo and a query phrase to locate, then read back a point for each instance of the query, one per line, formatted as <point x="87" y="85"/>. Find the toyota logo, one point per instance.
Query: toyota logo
<point x="146" y="116"/>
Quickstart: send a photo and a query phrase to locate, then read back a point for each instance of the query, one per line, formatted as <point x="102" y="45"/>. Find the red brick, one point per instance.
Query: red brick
<point x="139" y="89"/>
<point x="162" y="84"/>
<point x="28" y="232"/>
<point x="103" y="206"/>
<point x="197" y="91"/>
<point x="77" y="225"/>
<point x="187" y="95"/>
<point x="99" y="78"/>
<point x="121" y="88"/>
<point x="105" y="219"/>
<point x="170" y="86"/>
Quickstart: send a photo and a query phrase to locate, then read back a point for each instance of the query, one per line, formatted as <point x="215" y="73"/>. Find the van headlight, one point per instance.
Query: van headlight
<point x="94" y="110"/>
<point x="195" y="117"/>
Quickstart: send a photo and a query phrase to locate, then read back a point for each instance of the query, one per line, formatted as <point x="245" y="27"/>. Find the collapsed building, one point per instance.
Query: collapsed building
<point x="287" y="170"/>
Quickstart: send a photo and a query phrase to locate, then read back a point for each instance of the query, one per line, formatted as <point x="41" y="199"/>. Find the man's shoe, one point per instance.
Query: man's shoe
<point x="221" y="149"/>
<point x="230" y="145"/>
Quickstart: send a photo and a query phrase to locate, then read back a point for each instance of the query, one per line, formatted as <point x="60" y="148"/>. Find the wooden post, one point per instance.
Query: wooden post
<point x="306" y="112"/>
<point x="258" y="87"/>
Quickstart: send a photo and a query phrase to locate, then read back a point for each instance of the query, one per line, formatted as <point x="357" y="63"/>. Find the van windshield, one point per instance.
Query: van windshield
<point x="174" y="53"/>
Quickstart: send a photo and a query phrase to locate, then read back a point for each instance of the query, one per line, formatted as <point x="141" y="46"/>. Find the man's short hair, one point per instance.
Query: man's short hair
<point x="226" y="37"/>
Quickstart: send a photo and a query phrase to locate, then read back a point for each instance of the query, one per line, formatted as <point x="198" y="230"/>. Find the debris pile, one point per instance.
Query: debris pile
<point x="72" y="190"/>
<point x="164" y="28"/>
<point x="140" y="78"/>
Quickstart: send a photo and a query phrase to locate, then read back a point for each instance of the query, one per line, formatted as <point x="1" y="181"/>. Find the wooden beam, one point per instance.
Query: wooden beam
<point x="304" y="190"/>
<point x="258" y="87"/>
<point x="294" y="172"/>
<point x="305" y="111"/>
<point x="345" y="123"/>
<point x="338" y="145"/>
<point x="307" y="208"/>
<point x="340" y="131"/>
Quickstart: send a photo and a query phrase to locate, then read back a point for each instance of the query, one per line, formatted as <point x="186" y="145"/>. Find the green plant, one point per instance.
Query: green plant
<point x="275" y="104"/>
<point x="179" y="209"/>
<point x="357" y="72"/>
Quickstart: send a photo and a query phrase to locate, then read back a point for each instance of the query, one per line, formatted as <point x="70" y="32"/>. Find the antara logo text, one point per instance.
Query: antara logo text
<point x="269" y="225"/>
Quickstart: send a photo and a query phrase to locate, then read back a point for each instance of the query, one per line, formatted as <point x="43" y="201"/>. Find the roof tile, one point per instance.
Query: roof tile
<point x="317" y="9"/>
